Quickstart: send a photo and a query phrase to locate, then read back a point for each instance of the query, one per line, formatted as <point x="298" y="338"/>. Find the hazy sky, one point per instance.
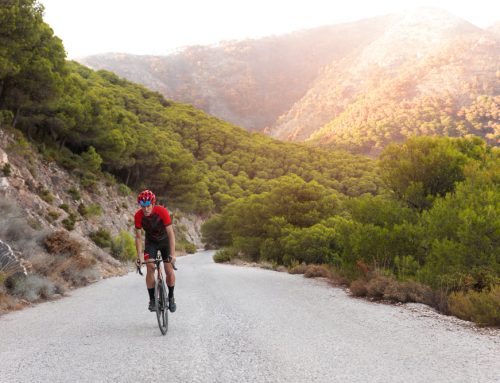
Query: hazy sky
<point x="160" y="26"/>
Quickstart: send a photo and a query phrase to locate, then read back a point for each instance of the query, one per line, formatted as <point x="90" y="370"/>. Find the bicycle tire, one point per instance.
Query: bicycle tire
<point x="161" y="305"/>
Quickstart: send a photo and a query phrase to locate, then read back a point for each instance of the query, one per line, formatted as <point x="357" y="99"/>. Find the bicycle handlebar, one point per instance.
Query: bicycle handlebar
<point x="154" y="261"/>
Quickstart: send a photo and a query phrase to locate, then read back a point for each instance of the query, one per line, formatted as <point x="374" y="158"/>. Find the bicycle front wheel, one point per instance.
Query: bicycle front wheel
<point x="161" y="305"/>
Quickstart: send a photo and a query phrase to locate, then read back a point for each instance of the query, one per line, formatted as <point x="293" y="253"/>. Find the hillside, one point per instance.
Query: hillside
<point x="248" y="83"/>
<point x="443" y="81"/>
<point x="354" y="86"/>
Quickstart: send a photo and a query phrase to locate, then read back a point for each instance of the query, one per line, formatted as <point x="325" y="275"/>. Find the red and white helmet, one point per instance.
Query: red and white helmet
<point x="146" y="198"/>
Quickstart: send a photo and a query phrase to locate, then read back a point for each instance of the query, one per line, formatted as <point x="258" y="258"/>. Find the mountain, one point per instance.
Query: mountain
<point x="428" y="74"/>
<point x="355" y="86"/>
<point x="249" y="83"/>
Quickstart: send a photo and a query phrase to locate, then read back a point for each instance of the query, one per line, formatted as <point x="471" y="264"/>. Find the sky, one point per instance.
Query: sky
<point x="160" y="27"/>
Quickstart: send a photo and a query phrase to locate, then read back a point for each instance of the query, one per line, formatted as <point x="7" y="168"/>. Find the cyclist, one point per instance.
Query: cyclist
<point x="157" y="224"/>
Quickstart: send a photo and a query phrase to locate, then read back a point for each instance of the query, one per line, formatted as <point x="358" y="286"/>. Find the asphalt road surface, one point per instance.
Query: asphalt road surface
<point x="239" y="324"/>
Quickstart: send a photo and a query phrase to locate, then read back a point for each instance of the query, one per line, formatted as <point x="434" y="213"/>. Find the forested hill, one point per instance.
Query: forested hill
<point x="95" y="122"/>
<point x="355" y="86"/>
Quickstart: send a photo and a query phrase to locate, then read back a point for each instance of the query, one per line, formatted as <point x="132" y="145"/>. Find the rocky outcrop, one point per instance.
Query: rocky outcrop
<point x="39" y="198"/>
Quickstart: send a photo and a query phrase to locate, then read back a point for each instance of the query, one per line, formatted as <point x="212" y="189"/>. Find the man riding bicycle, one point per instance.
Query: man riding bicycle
<point x="157" y="224"/>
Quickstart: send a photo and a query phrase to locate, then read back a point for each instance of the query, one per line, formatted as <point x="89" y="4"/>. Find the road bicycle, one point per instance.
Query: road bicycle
<point x="161" y="297"/>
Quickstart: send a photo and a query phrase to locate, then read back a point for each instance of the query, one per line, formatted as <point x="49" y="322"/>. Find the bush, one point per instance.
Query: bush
<point x="59" y="242"/>
<point x="409" y="291"/>
<point x="101" y="238"/>
<point x="53" y="215"/>
<point x="375" y="287"/>
<point x="90" y="210"/>
<point x="298" y="269"/>
<point x="123" y="246"/>
<point x="124" y="190"/>
<point x="33" y="287"/>
<point x="358" y="288"/>
<point x="317" y="271"/>
<point x="481" y="307"/>
<point x="65" y="207"/>
<point x="74" y="193"/>
<point x="7" y="170"/>
<point x="225" y="255"/>
<point x="69" y="221"/>
<point x="46" y="195"/>
<point x="185" y="245"/>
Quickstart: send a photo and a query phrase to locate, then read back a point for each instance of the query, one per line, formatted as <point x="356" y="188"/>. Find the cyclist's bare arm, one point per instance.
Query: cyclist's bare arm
<point x="138" y="244"/>
<point x="171" y="241"/>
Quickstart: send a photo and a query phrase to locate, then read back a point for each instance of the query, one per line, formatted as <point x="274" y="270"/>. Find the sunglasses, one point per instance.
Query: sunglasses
<point x="145" y="203"/>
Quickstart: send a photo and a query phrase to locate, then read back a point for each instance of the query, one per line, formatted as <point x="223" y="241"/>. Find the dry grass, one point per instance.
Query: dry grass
<point x="409" y="292"/>
<point x="358" y="288"/>
<point x="298" y="269"/>
<point x="317" y="271"/>
<point x="9" y="303"/>
<point x="59" y="242"/>
<point x="381" y="287"/>
<point x="376" y="286"/>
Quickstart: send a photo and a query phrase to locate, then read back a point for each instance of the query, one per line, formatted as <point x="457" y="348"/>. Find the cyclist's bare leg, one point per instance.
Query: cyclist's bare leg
<point x="169" y="270"/>
<point x="150" y="275"/>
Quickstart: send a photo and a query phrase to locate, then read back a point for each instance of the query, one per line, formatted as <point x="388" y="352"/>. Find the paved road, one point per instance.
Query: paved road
<point x="239" y="324"/>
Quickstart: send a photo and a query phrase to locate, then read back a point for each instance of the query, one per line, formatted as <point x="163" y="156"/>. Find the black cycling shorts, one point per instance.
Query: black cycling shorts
<point x="151" y="249"/>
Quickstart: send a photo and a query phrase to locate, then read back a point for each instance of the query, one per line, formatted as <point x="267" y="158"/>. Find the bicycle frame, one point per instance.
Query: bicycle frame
<point x="161" y="300"/>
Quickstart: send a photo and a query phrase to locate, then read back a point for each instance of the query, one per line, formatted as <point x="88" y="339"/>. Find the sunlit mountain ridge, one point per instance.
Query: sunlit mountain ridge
<point x="357" y="86"/>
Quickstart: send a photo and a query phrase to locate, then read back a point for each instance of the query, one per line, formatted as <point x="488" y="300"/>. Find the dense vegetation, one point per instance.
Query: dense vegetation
<point x="450" y="93"/>
<point x="429" y="213"/>
<point x="94" y="121"/>
<point x="438" y="225"/>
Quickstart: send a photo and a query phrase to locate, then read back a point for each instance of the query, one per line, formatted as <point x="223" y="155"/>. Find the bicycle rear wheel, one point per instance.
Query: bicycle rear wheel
<point x="161" y="305"/>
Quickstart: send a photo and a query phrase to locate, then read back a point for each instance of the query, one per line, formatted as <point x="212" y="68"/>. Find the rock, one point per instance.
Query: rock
<point x="4" y="183"/>
<point x="3" y="157"/>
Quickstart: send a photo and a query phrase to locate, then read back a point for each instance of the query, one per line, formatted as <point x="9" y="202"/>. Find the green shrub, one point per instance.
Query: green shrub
<point x="74" y="193"/>
<point x="89" y="182"/>
<point x="124" y="190"/>
<point x="7" y="170"/>
<point x="185" y="245"/>
<point x="46" y="195"/>
<point x="481" y="307"/>
<point x="101" y="238"/>
<point x="225" y="255"/>
<point x="90" y="210"/>
<point x="69" y="221"/>
<point x="65" y="207"/>
<point x="53" y="215"/>
<point x="123" y="246"/>
<point x="109" y="179"/>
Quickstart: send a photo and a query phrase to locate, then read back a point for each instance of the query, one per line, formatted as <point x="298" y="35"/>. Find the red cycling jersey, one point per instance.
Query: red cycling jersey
<point x="154" y="224"/>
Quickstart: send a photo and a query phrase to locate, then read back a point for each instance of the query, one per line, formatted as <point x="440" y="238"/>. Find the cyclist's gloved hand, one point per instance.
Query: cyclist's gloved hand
<point x="138" y="265"/>
<point x="173" y="258"/>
